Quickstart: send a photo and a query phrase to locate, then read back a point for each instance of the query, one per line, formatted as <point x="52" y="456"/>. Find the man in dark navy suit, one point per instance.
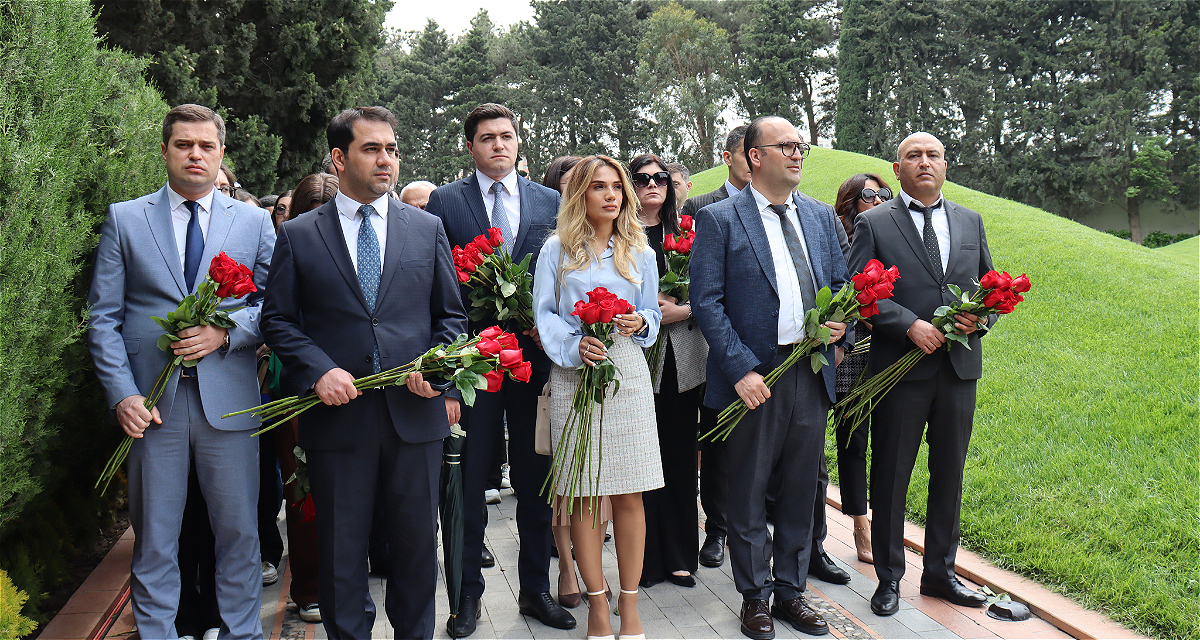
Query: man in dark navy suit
<point x="494" y="195"/>
<point x="756" y="267"/>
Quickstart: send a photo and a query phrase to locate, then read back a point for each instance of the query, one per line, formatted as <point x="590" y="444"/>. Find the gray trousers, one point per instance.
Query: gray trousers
<point x="227" y="468"/>
<point x="777" y="446"/>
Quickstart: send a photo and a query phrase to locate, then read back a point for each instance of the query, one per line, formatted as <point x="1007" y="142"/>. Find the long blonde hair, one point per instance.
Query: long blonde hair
<point x="576" y="233"/>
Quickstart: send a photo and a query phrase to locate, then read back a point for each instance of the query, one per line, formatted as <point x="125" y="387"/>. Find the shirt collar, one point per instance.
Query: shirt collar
<point x="485" y="183"/>
<point x="763" y="203"/>
<point x="175" y="200"/>
<point x="731" y="190"/>
<point x="348" y="206"/>
<point x="937" y="204"/>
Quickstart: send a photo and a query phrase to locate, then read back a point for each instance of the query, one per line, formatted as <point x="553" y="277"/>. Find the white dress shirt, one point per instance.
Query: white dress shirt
<point x="512" y="200"/>
<point x="348" y="216"/>
<point x="941" y="224"/>
<point x="180" y="215"/>
<point x="730" y="190"/>
<point x="791" y="303"/>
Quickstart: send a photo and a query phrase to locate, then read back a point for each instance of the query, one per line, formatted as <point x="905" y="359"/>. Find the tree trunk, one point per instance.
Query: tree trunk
<point x="810" y="111"/>
<point x="1133" y="206"/>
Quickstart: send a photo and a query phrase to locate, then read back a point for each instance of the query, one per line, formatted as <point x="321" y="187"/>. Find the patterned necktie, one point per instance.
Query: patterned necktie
<point x="808" y="293"/>
<point x="369" y="267"/>
<point x="931" y="241"/>
<point x="193" y="246"/>
<point x="500" y="216"/>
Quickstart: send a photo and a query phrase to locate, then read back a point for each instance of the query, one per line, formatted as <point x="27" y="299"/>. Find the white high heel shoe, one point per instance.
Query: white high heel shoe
<point x="608" y="637"/>
<point x="640" y="636"/>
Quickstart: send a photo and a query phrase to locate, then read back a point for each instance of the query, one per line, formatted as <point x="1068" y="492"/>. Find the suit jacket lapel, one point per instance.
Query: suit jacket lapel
<point x="909" y="230"/>
<point x="158" y="216"/>
<point x="810" y="228"/>
<point x="474" y="197"/>
<point x="397" y="225"/>
<point x="526" y="215"/>
<point x="747" y="209"/>
<point x="330" y="228"/>
<point x="957" y="230"/>
<point x="220" y="219"/>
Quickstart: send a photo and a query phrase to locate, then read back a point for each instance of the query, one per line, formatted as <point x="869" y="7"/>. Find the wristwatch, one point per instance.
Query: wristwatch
<point x="226" y="345"/>
<point x="689" y="307"/>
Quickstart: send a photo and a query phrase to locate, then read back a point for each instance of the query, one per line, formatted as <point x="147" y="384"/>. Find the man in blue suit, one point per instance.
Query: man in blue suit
<point x="360" y="285"/>
<point x="759" y="259"/>
<point x="525" y="212"/>
<point x="153" y="251"/>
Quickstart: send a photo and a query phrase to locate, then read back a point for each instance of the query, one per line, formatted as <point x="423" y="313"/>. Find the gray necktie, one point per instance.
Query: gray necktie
<point x="931" y="241"/>
<point x="500" y="216"/>
<point x="808" y="293"/>
<point x="369" y="267"/>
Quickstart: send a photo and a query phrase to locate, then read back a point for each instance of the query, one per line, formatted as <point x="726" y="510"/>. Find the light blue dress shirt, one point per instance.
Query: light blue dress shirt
<point x="559" y="330"/>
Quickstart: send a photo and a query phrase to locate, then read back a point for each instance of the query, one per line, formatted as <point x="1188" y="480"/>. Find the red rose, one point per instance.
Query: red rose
<point x="600" y="293"/>
<point x="485" y="247"/>
<point x="991" y="280"/>
<point x="510" y="358"/>
<point x="507" y="340"/>
<point x="590" y="313"/>
<point x="685" y="245"/>
<point x="669" y="243"/>
<point x="239" y="284"/>
<point x="307" y="512"/>
<point x="243" y="288"/>
<point x="488" y="347"/>
<point x="868" y="310"/>
<point x="521" y="372"/>
<point x="891" y="274"/>
<point x="463" y="276"/>
<point x="223" y="269"/>
<point x="611" y="307"/>
<point x="495" y="237"/>
<point x="685" y="223"/>
<point x="992" y="299"/>
<point x="493" y="332"/>
<point x="866" y="297"/>
<point x="494" y="379"/>
<point x="1021" y="284"/>
<point x="882" y="290"/>
<point x="861" y="281"/>
<point x="471" y="258"/>
<point x="874" y="268"/>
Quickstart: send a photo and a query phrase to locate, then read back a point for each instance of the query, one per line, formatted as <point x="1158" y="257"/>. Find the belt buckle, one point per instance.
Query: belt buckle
<point x="187" y="372"/>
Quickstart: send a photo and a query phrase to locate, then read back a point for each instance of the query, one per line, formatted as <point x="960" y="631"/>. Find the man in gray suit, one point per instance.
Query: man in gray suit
<point x="714" y="460"/>
<point x="934" y="243"/>
<point x="768" y="250"/>
<point x="153" y="251"/>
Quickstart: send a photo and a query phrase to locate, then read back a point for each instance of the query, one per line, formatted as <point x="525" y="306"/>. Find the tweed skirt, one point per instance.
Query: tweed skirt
<point x="624" y="444"/>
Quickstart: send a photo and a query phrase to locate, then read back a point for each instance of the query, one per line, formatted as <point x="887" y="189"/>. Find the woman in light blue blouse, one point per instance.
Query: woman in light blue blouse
<point x="600" y="243"/>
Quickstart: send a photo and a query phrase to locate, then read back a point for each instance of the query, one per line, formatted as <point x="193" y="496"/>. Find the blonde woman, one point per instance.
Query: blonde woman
<point x="600" y="243"/>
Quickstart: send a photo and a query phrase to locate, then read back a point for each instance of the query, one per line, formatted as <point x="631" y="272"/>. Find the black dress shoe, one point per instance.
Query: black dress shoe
<point x="488" y="559"/>
<point x="712" y="553"/>
<point x="802" y="617"/>
<point x="886" y="601"/>
<point x="646" y="583"/>
<point x="822" y="567"/>
<point x="756" y="620"/>
<point x="463" y="624"/>
<point x="952" y="591"/>
<point x="543" y="607"/>
<point x="683" y="581"/>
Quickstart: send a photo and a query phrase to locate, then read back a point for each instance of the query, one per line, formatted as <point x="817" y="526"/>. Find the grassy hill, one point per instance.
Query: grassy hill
<point x="1082" y="472"/>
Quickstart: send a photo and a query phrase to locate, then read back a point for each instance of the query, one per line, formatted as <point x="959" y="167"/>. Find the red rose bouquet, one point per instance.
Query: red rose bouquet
<point x="572" y="458"/>
<point x="677" y="249"/>
<point x="500" y="288"/>
<point x="851" y="303"/>
<point x="470" y="363"/>
<point x="998" y="293"/>
<point x="226" y="278"/>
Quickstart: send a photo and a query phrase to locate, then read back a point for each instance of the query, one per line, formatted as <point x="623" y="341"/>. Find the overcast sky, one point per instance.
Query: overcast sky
<point x="454" y="16"/>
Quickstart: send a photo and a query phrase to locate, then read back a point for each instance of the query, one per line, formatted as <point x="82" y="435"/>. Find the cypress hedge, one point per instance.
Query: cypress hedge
<point x="79" y="128"/>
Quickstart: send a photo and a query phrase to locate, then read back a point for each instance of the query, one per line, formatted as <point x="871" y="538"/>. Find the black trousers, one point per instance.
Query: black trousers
<point x="270" y="499"/>
<point x="671" y="518"/>
<point x="714" y="474"/>
<point x="484" y="424"/>
<point x="946" y="404"/>
<point x="344" y="485"/>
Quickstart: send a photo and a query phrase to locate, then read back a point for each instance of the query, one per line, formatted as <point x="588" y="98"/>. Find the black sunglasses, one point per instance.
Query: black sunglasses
<point x="642" y="180"/>
<point x="869" y="195"/>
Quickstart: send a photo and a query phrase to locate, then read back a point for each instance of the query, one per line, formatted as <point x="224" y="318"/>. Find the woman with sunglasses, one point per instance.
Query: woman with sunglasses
<point x="857" y="194"/>
<point x="672" y="547"/>
<point x="599" y="243"/>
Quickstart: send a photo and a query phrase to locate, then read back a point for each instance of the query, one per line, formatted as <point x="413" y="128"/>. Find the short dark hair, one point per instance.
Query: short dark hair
<point x="677" y="167"/>
<point x="735" y="137"/>
<point x="268" y="202"/>
<point x="488" y="111"/>
<point x="313" y="191"/>
<point x="754" y="136"/>
<point x="557" y="169"/>
<point x="667" y="214"/>
<point x="192" y="113"/>
<point x="340" y="132"/>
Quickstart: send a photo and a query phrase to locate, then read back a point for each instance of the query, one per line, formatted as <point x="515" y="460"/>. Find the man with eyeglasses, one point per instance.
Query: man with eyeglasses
<point x="757" y="264"/>
<point x="364" y="284"/>
<point x="934" y="243"/>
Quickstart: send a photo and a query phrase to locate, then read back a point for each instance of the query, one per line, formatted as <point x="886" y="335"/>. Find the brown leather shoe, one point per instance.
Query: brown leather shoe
<point x="756" y="620"/>
<point x="802" y="617"/>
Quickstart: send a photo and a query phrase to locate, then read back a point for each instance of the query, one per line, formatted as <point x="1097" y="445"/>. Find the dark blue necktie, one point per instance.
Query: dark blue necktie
<point x="500" y="216"/>
<point x="193" y="246"/>
<point x="369" y="267"/>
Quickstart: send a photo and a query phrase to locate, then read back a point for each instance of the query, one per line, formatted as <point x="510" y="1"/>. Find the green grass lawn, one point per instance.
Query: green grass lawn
<point x="1082" y="472"/>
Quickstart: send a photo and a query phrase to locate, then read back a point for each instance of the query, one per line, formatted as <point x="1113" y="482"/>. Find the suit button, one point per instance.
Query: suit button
<point x="773" y="348"/>
<point x="374" y="322"/>
<point x="366" y="358"/>
<point x="774" y="314"/>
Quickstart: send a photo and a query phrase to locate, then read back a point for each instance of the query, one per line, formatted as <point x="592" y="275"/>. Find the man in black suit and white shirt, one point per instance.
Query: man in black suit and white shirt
<point x="934" y="243"/>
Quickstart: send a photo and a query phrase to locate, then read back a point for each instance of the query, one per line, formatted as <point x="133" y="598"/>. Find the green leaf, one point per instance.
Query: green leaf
<point x="838" y="316"/>
<point x="165" y="324"/>
<point x="190" y="363"/>
<point x="955" y="290"/>
<point x="164" y="342"/>
<point x="824" y="296"/>
<point x="816" y="360"/>
<point x="467" y="390"/>
<point x="507" y="289"/>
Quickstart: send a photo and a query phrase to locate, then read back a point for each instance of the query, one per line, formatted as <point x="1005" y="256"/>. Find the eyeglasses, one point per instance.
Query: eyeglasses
<point x="789" y="149"/>
<point x="660" y="179"/>
<point x="869" y="195"/>
<point x="281" y="207"/>
<point x="227" y="190"/>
